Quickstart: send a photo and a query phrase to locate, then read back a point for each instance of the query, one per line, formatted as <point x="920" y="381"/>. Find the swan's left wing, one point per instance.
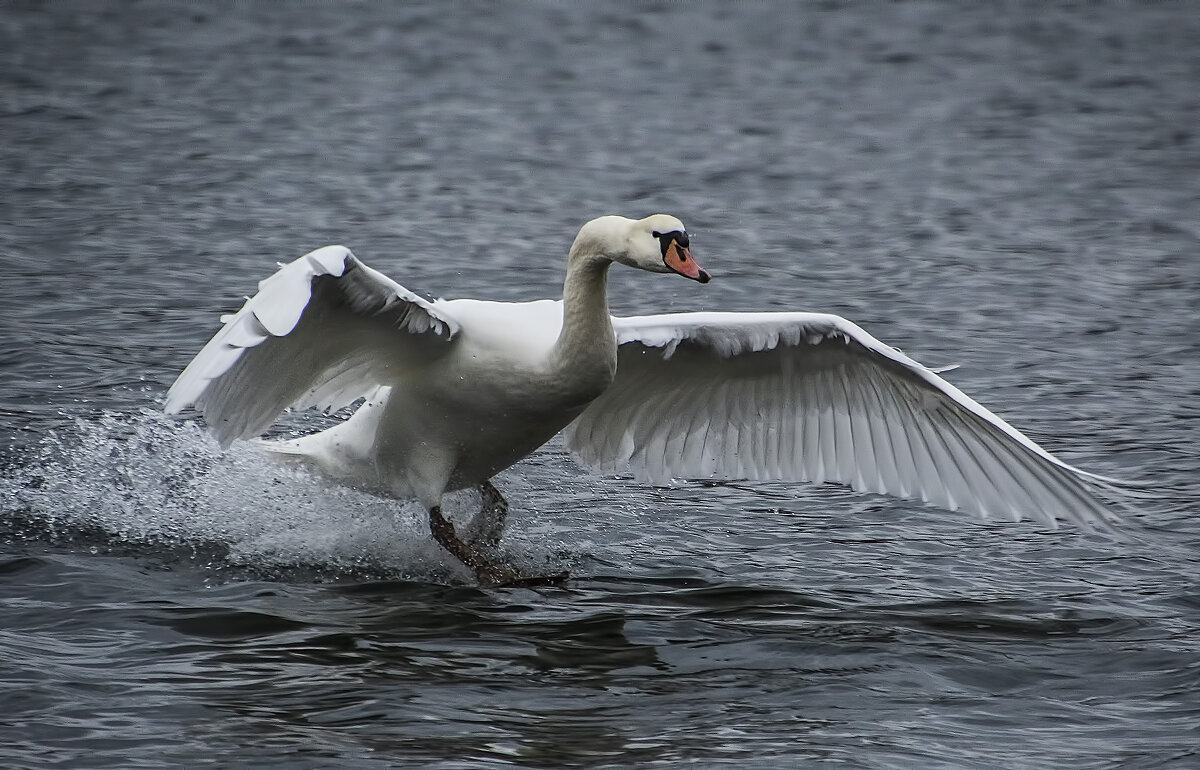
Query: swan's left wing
<point x="807" y="396"/>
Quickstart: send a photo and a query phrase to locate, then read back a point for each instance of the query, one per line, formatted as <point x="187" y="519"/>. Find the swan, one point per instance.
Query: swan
<point x="455" y="391"/>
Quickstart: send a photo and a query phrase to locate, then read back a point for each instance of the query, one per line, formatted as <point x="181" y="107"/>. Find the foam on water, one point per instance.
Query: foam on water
<point x="143" y="479"/>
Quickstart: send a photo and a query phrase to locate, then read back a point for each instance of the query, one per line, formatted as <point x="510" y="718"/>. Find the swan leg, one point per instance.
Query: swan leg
<point x="485" y="571"/>
<point x="487" y="527"/>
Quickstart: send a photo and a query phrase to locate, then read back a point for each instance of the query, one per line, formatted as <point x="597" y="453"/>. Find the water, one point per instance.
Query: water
<point x="1010" y="187"/>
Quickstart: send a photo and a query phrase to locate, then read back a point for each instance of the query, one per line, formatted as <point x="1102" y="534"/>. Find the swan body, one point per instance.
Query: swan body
<point x="456" y="391"/>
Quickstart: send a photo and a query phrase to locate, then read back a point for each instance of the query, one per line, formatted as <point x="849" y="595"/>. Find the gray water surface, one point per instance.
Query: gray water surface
<point x="1012" y="187"/>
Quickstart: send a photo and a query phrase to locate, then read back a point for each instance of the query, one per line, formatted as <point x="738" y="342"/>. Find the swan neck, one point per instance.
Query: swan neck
<point x="587" y="343"/>
<point x="585" y="301"/>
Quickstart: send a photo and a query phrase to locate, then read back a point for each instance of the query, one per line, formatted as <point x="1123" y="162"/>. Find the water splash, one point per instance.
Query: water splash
<point x="143" y="482"/>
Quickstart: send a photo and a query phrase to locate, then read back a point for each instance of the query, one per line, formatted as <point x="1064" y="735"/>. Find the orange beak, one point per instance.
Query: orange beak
<point x="679" y="258"/>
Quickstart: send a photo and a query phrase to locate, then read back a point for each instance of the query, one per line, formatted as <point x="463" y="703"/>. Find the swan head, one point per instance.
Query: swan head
<point x="659" y="243"/>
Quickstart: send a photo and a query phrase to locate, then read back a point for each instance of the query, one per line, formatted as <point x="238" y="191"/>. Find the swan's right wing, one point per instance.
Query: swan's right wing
<point x="808" y="396"/>
<point x="322" y="331"/>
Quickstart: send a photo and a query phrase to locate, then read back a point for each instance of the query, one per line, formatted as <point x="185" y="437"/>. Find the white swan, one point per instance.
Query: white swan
<point x="458" y="390"/>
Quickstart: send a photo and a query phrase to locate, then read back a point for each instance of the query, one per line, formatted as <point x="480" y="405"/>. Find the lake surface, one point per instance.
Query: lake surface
<point x="1012" y="187"/>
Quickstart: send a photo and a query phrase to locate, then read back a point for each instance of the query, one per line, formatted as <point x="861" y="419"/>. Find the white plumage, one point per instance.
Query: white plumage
<point x="458" y="390"/>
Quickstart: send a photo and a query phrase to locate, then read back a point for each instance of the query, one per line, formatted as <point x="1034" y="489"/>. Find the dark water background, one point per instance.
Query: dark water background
<point x="1014" y="187"/>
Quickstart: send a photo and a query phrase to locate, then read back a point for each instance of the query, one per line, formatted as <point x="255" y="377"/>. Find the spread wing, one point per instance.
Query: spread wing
<point x="806" y="396"/>
<point x="322" y="331"/>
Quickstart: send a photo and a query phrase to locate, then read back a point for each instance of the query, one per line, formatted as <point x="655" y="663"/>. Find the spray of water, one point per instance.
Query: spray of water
<point x="142" y="482"/>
